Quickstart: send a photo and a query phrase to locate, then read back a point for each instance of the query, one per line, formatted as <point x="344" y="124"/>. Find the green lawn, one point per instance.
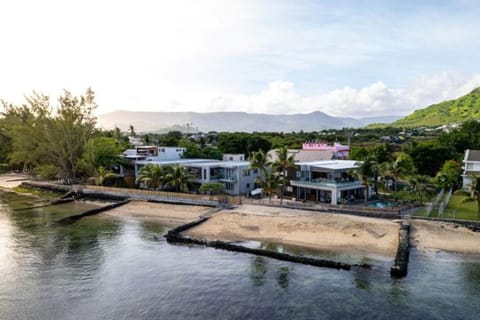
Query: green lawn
<point x="465" y="210"/>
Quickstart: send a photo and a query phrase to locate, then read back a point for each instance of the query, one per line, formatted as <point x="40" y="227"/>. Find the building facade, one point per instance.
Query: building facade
<point x="234" y="174"/>
<point x="471" y="167"/>
<point x="328" y="181"/>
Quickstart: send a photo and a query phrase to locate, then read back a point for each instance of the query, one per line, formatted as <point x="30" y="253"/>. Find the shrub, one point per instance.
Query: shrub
<point x="46" y="172"/>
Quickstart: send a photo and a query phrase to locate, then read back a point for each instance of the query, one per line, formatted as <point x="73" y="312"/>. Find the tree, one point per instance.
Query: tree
<point x="131" y="131"/>
<point x="154" y="176"/>
<point x="211" y="188"/>
<point x="102" y="174"/>
<point x="366" y="171"/>
<point x="449" y="177"/>
<point x="422" y="186"/>
<point x="401" y="167"/>
<point x="281" y="165"/>
<point x="259" y="160"/>
<point x="270" y="183"/>
<point x="179" y="178"/>
<point x="101" y="152"/>
<point x="43" y="135"/>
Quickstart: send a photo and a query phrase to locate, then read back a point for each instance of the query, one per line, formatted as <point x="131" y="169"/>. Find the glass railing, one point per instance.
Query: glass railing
<point x="328" y="182"/>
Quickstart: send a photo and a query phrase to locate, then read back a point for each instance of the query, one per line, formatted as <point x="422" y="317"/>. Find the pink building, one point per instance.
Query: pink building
<point x="340" y="151"/>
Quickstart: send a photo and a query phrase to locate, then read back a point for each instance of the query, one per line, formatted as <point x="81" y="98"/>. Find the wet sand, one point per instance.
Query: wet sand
<point x="432" y="235"/>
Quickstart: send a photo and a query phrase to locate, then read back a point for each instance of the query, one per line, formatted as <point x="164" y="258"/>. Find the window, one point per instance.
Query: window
<point x="255" y="171"/>
<point x="248" y="185"/>
<point x="246" y="173"/>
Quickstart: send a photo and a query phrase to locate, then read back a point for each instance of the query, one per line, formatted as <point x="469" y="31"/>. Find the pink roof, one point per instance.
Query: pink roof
<point x="324" y="147"/>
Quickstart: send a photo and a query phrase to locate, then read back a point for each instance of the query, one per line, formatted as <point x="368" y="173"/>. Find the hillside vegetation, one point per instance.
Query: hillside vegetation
<point x="458" y="110"/>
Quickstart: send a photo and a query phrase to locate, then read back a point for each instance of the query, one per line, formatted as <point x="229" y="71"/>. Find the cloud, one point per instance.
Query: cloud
<point x="376" y="99"/>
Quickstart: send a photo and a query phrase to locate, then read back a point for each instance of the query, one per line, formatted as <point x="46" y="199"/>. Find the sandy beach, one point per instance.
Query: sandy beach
<point x="11" y="180"/>
<point x="167" y="214"/>
<point x="302" y="228"/>
<point x="318" y="230"/>
<point x="431" y="235"/>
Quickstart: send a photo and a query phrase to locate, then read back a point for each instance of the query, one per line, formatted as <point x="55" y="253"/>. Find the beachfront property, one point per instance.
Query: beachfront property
<point x="233" y="171"/>
<point x="471" y="166"/>
<point x="329" y="181"/>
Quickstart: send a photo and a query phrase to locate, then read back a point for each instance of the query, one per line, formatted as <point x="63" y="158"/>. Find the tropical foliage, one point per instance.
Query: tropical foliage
<point x="281" y="165"/>
<point x="42" y="134"/>
<point x="367" y="171"/>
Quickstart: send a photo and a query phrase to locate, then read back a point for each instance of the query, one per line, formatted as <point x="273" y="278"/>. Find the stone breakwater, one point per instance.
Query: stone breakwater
<point x="175" y="236"/>
<point x="400" y="267"/>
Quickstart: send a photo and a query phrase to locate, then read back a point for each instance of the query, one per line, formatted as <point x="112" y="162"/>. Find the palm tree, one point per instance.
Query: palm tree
<point x="422" y="186"/>
<point x="132" y="131"/>
<point x="179" y="177"/>
<point x="259" y="160"/>
<point x="101" y="174"/>
<point x="281" y="165"/>
<point x="366" y="171"/>
<point x="153" y="176"/>
<point x="271" y="184"/>
<point x="402" y="166"/>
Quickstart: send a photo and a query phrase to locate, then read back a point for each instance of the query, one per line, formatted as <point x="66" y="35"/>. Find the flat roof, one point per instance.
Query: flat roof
<point x="177" y="161"/>
<point x="331" y="164"/>
<point x="198" y="162"/>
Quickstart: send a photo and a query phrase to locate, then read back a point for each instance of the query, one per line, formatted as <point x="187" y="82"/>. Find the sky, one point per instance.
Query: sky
<point x="345" y="58"/>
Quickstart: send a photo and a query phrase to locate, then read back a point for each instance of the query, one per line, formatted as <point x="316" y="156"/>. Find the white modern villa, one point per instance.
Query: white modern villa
<point x="329" y="181"/>
<point x="233" y="172"/>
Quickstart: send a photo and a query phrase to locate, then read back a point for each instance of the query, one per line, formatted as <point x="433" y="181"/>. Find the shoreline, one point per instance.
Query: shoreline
<point x="308" y="229"/>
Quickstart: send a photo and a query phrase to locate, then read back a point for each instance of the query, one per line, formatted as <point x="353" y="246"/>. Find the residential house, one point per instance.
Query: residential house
<point x="233" y="172"/>
<point x="471" y="166"/>
<point x="329" y="181"/>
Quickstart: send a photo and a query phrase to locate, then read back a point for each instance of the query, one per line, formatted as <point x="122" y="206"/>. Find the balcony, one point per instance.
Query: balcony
<point x="223" y="178"/>
<point x="326" y="183"/>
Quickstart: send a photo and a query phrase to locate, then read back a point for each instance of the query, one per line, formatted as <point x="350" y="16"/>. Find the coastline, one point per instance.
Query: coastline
<point x="316" y="230"/>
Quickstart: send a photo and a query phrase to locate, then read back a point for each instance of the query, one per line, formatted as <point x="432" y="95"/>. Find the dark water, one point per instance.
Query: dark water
<point x="101" y="268"/>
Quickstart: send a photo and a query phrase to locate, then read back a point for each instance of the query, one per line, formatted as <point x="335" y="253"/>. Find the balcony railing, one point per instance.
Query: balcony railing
<point x="327" y="182"/>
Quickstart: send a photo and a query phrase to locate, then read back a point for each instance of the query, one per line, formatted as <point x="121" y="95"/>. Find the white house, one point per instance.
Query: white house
<point x="233" y="172"/>
<point x="471" y="166"/>
<point x="330" y="181"/>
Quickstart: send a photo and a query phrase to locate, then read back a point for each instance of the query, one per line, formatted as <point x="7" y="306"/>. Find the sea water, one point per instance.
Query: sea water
<point x="106" y="268"/>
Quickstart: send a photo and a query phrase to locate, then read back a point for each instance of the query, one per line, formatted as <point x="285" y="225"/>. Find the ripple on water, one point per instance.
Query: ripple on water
<point x="102" y="268"/>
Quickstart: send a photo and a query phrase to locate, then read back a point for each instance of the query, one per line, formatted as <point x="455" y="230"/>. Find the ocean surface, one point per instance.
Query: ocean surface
<point x="106" y="268"/>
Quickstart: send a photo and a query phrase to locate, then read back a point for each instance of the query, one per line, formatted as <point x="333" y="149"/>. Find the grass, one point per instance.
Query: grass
<point x="463" y="210"/>
<point x="35" y="192"/>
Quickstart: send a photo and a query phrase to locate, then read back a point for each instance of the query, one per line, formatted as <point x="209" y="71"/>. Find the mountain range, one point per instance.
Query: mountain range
<point x="230" y="121"/>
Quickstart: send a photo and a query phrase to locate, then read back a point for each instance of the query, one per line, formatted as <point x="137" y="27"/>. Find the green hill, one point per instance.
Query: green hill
<point x="446" y="112"/>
